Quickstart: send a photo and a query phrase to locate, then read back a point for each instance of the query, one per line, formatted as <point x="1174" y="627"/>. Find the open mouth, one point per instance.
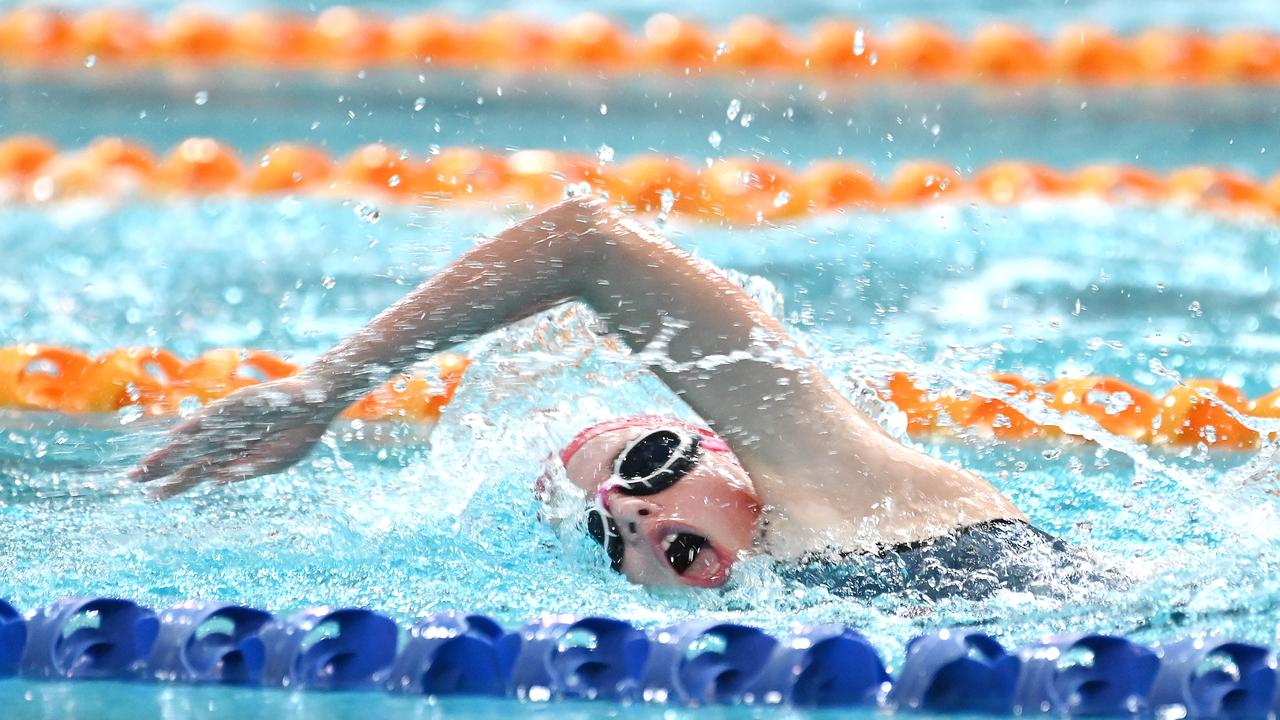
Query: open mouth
<point x="682" y="550"/>
<point x="693" y="558"/>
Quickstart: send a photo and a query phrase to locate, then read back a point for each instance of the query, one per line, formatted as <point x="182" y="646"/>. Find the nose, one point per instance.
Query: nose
<point x="629" y="513"/>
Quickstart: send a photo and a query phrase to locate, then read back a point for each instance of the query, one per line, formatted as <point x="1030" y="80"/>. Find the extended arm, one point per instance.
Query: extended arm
<point x="725" y="356"/>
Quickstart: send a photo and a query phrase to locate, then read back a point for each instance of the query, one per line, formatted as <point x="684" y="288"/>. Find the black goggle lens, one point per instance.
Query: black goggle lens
<point x="656" y="461"/>
<point x="604" y="531"/>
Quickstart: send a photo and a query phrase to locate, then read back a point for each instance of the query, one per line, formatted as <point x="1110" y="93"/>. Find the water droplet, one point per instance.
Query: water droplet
<point x="202" y="97"/>
<point x="129" y="414"/>
<point x="859" y="42"/>
<point x="605" y="153"/>
<point x="368" y="213"/>
<point x="722" y="48"/>
<point x="781" y="199"/>
<point x="582" y="189"/>
<point x="1052" y="454"/>
<point x="873" y="59"/>
<point x="1194" y="307"/>
<point x="419" y="104"/>
<point x="735" y="107"/>
<point x="714" y="139"/>
<point x="935" y="130"/>
<point x="393" y="181"/>
<point x="604" y="109"/>
<point x="746" y="119"/>
<point x="91" y="61"/>
<point x="327" y="282"/>
<point x="668" y="201"/>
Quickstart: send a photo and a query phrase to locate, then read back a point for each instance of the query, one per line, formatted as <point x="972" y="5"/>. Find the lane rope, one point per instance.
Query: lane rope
<point x="698" y="662"/>
<point x="728" y="190"/>
<point x="158" y="382"/>
<point x="344" y="38"/>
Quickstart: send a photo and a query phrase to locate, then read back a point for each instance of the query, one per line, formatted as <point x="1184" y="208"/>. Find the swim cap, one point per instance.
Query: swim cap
<point x="710" y="442"/>
<point x="543" y="487"/>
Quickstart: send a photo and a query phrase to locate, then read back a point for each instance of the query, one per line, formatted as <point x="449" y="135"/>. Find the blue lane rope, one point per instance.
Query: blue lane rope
<point x="598" y="658"/>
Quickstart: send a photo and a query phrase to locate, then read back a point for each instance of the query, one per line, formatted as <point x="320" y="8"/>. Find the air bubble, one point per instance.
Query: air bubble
<point x="187" y="406"/>
<point x="419" y="104"/>
<point x="605" y="153"/>
<point x="859" y="42"/>
<point x="1117" y="402"/>
<point x="202" y="97"/>
<point x="782" y="199"/>
<point x="328" y="282"/>
<point x="714" y="138"/>
<point x="735" y="107"/>
<point x="368" y="213"/>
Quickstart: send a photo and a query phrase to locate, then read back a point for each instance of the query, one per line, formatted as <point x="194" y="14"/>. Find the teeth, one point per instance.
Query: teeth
<point x="666" y="541"/>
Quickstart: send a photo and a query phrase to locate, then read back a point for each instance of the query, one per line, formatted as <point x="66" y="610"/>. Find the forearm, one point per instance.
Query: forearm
<point x="722" y="353"/>
<point x="500" y="281"/>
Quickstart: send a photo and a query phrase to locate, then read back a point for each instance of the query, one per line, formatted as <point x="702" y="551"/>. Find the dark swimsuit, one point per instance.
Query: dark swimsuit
<point x="972" y="563"/>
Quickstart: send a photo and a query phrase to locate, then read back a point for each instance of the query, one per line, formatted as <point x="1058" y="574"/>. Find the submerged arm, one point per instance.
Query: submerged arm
<point x="724" y="355"/>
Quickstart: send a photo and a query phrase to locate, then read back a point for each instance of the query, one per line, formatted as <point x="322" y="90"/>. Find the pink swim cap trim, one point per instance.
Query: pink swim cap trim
<point x="710" y="441"/>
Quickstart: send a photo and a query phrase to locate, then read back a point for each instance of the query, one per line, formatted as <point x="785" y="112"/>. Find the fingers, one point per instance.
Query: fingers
<point x="240" y="467"/>
<point x="192" y="457"/>
<point x="171" y="457"/>
<point x="181" y="481"/>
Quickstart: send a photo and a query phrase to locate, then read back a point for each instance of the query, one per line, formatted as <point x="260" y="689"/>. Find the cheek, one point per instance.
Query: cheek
<point x="720" y="506"/>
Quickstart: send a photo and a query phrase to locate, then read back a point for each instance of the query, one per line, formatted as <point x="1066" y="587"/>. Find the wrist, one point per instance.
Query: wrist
<point x="323" y="390"/>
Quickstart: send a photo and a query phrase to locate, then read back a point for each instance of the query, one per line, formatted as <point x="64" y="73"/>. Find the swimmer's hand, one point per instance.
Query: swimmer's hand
<point x="257" y="430"/>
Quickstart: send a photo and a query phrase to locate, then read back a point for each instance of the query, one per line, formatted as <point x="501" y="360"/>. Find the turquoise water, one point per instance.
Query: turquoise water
<point x="384" y="518"/>
<point x="380" y="518"/>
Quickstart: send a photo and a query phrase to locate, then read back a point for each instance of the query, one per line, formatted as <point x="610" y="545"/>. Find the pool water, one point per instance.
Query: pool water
<point x="382" y="517"/>
<point x="378" y="517"/>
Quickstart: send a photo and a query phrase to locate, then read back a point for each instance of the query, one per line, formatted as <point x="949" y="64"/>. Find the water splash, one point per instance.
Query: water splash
<point x="383" y="516"/>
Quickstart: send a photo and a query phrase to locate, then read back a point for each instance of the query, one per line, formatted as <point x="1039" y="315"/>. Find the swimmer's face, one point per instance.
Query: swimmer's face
<point x="687" y="534"/>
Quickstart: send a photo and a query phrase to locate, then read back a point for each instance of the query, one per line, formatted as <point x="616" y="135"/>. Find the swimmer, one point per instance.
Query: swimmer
<point x="786" y="467"/>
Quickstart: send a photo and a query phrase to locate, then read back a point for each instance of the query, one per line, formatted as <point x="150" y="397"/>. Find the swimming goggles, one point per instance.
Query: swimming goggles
<point x="648" y="465"/>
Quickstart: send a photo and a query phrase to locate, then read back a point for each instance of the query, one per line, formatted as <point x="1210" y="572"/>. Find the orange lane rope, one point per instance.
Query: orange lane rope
<point x="344" y="38"/>
<point x="736" y="190"/>
<point x="42" y="377"/>
<point x="49" y="378"/>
